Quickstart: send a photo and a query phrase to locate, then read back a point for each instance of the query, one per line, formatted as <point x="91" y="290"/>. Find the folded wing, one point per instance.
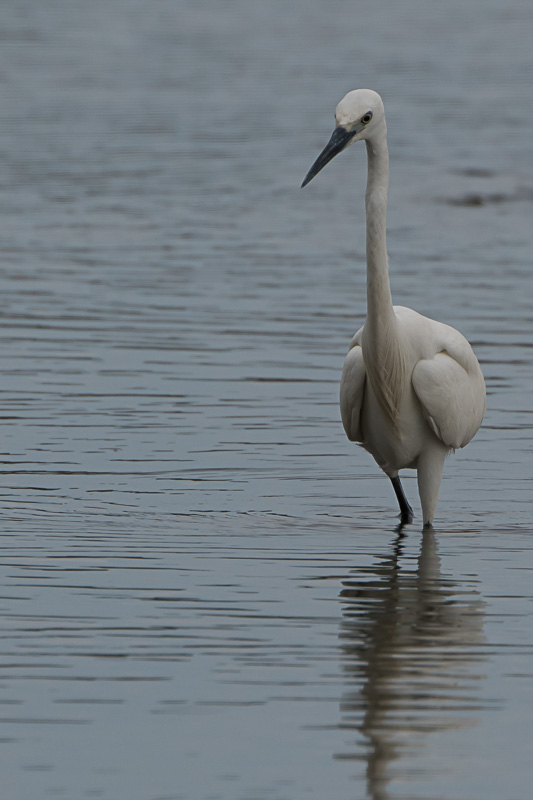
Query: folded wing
<point x="352" y="393"/>
<point x="451" y="390"/>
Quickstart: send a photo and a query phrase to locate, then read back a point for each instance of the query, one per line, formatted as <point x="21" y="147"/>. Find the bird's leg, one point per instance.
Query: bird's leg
<point x="406" y="512"/>
<point x="430" y="464"/>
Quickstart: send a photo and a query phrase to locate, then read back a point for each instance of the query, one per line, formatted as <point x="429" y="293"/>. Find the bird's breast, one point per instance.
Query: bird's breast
<point x="395" y="444"/>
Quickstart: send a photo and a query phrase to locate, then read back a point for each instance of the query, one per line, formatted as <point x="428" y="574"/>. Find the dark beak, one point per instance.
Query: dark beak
<point x="339" y="139"/>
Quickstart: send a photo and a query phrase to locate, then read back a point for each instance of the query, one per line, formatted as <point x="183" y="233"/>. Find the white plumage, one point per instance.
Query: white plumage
<point x="412" y="389"/>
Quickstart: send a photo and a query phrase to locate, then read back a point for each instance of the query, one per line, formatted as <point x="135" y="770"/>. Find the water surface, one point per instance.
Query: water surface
<point x="203" y="592"/>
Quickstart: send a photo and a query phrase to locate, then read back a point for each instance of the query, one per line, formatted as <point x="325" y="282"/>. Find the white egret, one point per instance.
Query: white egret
<point x="412" y="389"/>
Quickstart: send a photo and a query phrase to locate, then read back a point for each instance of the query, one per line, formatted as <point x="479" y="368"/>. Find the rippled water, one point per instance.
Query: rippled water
<point x="203" y="594"/>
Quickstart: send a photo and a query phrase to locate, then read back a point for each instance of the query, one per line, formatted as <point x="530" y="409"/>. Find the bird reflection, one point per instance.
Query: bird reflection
<point x="410" y="641"/>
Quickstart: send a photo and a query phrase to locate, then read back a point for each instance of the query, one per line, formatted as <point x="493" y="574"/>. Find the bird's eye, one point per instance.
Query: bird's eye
<point x="367" y="117"/>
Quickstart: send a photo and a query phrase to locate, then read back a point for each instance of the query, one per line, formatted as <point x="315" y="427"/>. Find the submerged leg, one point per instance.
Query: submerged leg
<point x="406" y="512"/>
<point x="429" y="471"/>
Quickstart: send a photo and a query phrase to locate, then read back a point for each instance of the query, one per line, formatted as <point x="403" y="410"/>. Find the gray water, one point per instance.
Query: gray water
<point x="203" y="595"/>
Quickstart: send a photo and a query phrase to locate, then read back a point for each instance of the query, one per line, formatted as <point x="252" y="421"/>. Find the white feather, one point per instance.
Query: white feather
<point x="412" y="389"/>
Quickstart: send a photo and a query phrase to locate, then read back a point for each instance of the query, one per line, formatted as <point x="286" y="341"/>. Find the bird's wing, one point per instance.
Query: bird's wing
<point x="451" y="390"/>
<point x="352" y="392"/>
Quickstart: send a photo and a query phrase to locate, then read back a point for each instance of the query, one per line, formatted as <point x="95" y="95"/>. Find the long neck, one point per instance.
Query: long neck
<point x="382" y="352"/>
<point x="379" y="300"/>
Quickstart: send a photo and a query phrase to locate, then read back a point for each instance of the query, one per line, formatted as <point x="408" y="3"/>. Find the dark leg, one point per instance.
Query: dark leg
<point x="406" y="512"/>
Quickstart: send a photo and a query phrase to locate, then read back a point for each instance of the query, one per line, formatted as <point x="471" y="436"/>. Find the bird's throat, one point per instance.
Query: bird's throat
<point x="381" y="350"/>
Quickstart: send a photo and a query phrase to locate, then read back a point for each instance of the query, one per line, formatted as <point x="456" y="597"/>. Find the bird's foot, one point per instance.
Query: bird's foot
<point x="406" y="517"/>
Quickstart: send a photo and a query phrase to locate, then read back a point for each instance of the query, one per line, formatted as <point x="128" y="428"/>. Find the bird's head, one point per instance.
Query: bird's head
<point x="358" y="116"/>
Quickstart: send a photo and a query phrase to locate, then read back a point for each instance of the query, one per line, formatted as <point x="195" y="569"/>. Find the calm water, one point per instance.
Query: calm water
<point x="203" y="596"/>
